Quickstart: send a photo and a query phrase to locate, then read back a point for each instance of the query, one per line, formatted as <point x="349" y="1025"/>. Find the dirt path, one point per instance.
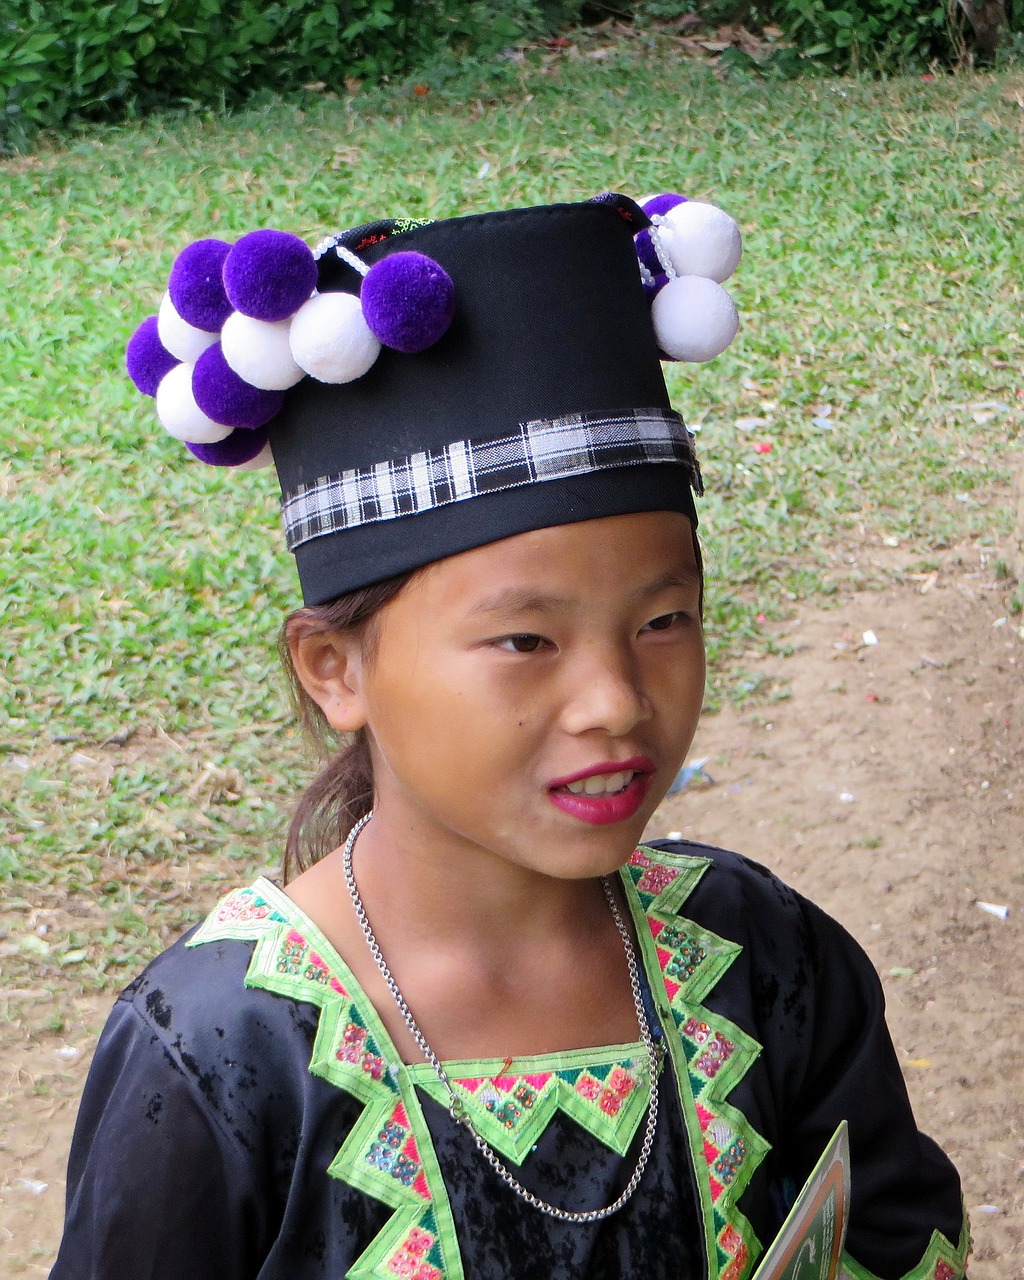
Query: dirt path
<point x="887" y="785"/>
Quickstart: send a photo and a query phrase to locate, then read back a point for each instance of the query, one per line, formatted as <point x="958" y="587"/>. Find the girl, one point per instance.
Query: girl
<point x="484" y="1032"/>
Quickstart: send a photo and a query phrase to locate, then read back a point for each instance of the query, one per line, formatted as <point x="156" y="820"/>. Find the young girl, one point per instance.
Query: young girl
<point x="481" y="1031"/>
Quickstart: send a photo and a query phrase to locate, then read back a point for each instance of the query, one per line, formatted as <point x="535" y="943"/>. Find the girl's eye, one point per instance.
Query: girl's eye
<point x="665" y="622"/>
<point x="525" y="643"/>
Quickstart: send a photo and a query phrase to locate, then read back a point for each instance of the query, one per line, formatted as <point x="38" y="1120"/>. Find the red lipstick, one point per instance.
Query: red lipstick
<point x="602" y="810"/>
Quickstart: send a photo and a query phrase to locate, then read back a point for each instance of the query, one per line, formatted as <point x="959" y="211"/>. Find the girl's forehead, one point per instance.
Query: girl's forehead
<point x="614" y="553"/>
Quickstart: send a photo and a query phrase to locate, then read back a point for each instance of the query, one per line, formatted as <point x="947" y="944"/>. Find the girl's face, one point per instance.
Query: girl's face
<point x="532" y="700"/>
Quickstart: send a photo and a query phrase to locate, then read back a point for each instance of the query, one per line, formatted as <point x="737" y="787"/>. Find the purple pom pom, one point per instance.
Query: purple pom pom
<point x="654" y="286"/>
<point x="408" y="301"/>
<point x="146" y="358"/>
<point x="644" y="248"/>
<point x="268" y="275"/>
<point x="196" y="284"/>
<point x="234" y="450"/>
<point x="661" y="204"/>
<point x="224" y="397"/>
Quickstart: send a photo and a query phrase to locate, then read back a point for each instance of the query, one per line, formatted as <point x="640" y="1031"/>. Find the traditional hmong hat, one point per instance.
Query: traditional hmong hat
<point x="426" y="388"/>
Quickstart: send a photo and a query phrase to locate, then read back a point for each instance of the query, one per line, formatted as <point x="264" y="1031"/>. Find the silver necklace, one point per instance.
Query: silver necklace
<point x="457" y="1107"/>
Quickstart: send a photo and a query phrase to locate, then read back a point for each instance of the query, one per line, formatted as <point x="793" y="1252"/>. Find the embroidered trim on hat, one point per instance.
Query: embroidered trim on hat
<point x="547" y="449"/>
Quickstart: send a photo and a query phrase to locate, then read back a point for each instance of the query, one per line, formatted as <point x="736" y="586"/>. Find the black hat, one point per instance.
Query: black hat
<point x="501" y="374"/>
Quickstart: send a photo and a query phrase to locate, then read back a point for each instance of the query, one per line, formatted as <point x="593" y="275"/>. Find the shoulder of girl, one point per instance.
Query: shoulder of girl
<point x="746" y="901"/>
<point x="729" y="873"/>
<point x="198" y="994"/>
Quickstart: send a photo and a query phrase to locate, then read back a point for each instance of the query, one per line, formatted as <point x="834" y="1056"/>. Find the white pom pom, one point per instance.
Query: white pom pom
<point x="178" y="412"/>
<point x="331" y="340"/>
<point x="265" y="458"/>
<point x="182" y="340"/>
<point x="701" y="240"/>
<point x="259" y="352"/>
<point x="694" y="319"/>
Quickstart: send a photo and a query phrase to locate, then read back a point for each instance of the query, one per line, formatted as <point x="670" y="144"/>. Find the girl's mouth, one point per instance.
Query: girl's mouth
<point x="601" y="784"/>
<point x="605" y="794"/>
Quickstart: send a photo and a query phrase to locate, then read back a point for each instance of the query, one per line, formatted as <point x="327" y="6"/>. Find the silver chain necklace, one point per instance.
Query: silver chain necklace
<point x="457" y="1107"/>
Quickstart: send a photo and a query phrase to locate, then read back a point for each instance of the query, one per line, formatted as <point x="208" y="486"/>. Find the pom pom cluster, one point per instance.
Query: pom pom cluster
<point x="240" y="324"/>
<point x="690" y="249"/>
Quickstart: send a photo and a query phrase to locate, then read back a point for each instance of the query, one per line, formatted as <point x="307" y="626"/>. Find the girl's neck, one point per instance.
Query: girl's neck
<point x="494" y="959"/>
<point x="457" y="892"/>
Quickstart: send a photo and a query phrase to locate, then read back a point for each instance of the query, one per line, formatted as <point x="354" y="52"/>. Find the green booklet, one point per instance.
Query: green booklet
<point x="810" y="1244"/>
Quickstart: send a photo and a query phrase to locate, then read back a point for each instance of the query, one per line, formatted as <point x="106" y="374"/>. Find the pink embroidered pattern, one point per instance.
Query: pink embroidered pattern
<point x="731" y="1244"/>
<point x="716" y="1053"/>
<point x="512" y="1110"/>
<point x="943" y="1271"/>
<point x="354" y="1048"/>
<point x="296" y="959"/>
<point x="395" y="1153"/>
<point x="410" y="1260"/>
<point x="656" y="876"/>
<point x="243" y="906"/>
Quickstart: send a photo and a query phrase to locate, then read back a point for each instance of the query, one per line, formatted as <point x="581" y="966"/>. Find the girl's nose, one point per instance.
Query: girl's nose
<point x="605" y="694"/>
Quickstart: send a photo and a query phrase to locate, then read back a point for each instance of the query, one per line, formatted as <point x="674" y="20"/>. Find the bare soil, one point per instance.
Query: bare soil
<point x="888" y="785"/>
<point x="885" y="780"/>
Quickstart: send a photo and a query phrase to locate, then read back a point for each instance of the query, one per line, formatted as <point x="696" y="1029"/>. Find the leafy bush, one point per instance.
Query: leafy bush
<point x="63" y="61"/>
<point x="869" y="34"/>
<point x="82" y="60"/>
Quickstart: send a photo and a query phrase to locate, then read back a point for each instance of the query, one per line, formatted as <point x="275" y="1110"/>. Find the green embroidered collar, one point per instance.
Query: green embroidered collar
<point x="389" y="1154"/>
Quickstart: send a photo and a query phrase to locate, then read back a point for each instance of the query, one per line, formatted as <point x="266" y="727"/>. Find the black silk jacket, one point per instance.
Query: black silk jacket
<point x="247" y="1118"/>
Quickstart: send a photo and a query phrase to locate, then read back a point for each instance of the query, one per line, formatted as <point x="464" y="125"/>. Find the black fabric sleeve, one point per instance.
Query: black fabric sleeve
<point x="810" y="996"/>
<point x="903" y="1186"/>
<point x="156" y="1189"/>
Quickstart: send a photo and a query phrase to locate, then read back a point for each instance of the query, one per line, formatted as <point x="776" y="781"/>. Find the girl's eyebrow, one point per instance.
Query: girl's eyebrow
<point x="688" y="577"/>
<point x="519" y="600"/>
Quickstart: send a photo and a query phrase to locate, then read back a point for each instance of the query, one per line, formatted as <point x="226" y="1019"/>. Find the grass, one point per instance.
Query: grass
<point x="146" y="754"/>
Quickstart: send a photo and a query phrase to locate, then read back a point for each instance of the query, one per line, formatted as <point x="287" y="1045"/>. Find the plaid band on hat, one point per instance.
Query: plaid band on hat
<point x="553" y="449"/>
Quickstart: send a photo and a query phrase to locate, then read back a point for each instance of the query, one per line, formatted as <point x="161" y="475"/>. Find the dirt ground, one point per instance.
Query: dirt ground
<point x="886" y="781"/>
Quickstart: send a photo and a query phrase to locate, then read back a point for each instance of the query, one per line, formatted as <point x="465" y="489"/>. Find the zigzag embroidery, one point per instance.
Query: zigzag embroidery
<point x="604" y="1091"/>
<point x="942" y="1260"/>
<point x="710" y="1054"/>
<point x="388" y="1153"/>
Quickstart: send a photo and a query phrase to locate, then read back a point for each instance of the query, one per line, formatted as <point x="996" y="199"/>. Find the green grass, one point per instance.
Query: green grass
<point x="883" y="279"/>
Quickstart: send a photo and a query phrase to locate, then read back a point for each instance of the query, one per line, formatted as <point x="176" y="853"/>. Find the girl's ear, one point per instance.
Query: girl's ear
<point x="329" y="666"/>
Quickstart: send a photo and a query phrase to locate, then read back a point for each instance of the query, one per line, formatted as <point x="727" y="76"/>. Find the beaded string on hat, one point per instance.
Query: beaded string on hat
<point x="658" y="221"/>
<point x="455" y="1104"/>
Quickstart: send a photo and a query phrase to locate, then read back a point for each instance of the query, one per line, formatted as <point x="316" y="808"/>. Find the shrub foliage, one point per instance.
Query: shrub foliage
<point x="72" y="60"/>
<point x="83" y="60"/>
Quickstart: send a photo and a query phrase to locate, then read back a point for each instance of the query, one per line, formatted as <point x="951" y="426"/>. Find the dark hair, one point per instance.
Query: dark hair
<point x="342" y="792"/>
